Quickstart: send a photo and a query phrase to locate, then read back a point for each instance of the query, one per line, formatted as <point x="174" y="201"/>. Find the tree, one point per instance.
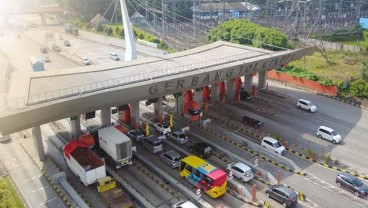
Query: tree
<point x="364" y="71"/>
<point x="247" y="33"/>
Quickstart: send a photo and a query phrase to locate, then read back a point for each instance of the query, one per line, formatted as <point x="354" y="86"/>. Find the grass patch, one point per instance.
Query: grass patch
<point x="345" y="65"/>
<point x="8" y="196"/>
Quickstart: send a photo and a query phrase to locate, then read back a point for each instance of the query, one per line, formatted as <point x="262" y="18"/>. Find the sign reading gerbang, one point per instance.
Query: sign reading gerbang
<point x="215" y="74"/>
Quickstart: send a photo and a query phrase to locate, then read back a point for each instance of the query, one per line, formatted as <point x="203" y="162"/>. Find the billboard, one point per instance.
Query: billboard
<point x="363" y="22"/>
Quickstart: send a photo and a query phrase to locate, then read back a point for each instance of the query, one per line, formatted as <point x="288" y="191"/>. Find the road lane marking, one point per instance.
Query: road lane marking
<point x="34" y="177"/>
<point x="48" y="201"/>
<point x="39" y="189"/>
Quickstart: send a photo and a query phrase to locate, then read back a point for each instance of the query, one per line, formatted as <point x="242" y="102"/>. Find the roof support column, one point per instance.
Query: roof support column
<point x="106" y="117"/>
<point x="248" y="82"/>
<point x="159" y="109"/>
<point x="230" y="90"/>
<point x="198" y="96"/>
<point x="179" y="105"/>
<point x="136" y="121"/>
<point x="37" y="140"/>
<point x="215" y="92"/>
<point x="262" y="78"/>
<point x="75" y="127"/>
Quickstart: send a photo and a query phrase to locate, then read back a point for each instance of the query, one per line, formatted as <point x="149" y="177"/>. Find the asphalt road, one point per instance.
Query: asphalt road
<point x="35" y="190"/>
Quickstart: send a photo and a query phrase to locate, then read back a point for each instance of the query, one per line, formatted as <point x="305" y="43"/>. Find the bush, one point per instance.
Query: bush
<point x="359" y="88"/>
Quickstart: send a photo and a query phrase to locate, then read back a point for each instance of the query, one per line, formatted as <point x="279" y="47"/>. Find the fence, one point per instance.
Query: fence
<point x="332" y="45"/>
<point x="313" y="85"/>
<point x="120" y="81"/>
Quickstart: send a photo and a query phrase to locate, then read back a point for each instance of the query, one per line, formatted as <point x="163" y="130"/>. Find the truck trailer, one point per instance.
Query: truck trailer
<point x="70" y="28"/>
<point x="37" y="64"/>
<point x="84" y="162"/>
<point x="116" y="144"/>
<point x="114" y="197"/>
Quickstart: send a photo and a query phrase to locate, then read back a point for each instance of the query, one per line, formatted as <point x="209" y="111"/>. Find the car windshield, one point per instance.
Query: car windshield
<point x="333" y="133"/>
<point x="277" y="144"/>
<point x="182" y="136"/>
<point x="165" y="126"/>
<point x="195" y="112"/>
<point x="177" y="159"/>
<point x="357" y="182"/>
<point x="157" y="144"/>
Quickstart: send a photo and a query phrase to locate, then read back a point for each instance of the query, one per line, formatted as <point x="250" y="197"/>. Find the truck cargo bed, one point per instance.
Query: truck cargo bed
<point x="116" y="198"/>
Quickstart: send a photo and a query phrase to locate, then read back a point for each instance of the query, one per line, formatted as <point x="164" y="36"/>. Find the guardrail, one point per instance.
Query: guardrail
<point x="23" y="102"/>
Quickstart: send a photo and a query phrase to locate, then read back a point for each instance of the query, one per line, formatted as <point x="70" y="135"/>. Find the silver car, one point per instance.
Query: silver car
<point x="178" y="137"/>
<point x="172" y="158"/>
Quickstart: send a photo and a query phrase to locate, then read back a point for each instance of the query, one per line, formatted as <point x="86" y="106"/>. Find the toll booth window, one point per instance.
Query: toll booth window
<point x="193" y="112"/>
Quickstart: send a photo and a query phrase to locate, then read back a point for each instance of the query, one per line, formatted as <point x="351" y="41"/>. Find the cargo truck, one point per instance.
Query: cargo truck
<point x="70" y="28"/>
<point x="37" y="64"/>
<point x="114" y="197"/>
<point x="84" y="162"/>
<point x="116" y="144"/>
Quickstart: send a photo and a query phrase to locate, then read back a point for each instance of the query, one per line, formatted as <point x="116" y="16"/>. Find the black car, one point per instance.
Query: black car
<point x="352" y="183"/>
<point x="201" y="149"/>
<point x="286" y="196"/>
<point x="252" y="122"/>
<point x="136" y="134"/>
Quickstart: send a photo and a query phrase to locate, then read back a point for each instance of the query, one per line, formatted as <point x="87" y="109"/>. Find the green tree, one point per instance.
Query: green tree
<point x="247" y="33"/>
<point x="359" y="88"/>
<point x="364" y="71"/>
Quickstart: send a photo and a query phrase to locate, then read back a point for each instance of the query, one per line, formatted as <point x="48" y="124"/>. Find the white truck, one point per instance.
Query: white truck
<point x="84" y="162"/>
<point x="116" y="144"/>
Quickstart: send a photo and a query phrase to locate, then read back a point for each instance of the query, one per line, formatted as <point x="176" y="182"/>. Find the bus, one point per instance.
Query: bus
<point x="210" y="179"/>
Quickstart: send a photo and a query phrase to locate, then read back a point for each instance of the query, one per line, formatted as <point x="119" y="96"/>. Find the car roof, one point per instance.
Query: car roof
<point x="307" y="101"/>
<point x="326" y="128"/>
<point x="270" y="139"/>
<point x="172" y="153"/>
<point x="153" y="138"/>
<point x="242" y="166"/>
<point x="285" y="189"/>
<point x="179" y="132"/>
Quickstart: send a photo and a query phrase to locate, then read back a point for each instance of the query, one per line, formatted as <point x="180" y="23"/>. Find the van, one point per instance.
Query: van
<point x="273" y="145"/>
<point x="329" y="134"/>
<point x="153" y="144"/>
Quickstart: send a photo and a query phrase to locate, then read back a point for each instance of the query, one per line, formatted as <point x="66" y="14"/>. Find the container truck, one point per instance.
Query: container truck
<point x="116" y="144"/>
<point x="114" y="197"/>
<point x="84" y="162"/>
<point x="70" y="28"/>
<point x="37" y="64"/>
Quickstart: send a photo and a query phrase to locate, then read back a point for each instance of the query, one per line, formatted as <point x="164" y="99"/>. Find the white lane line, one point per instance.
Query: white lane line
<point x="39" y="189"/>
<point x="48" y="201"/>
<point x="34" y="177"/>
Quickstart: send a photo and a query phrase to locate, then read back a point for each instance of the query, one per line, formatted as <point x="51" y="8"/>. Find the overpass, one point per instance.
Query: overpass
<point x="37" y="98"/>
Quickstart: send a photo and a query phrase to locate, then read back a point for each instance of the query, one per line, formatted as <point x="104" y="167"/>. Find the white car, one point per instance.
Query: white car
<point x="114" y="56"/>
<point x="306" y="105"/>
<point x="85" y="61"/>
<point x="163" y="128"/>
<point x="4" y="138"/>
<point x="184" y="204"/>
<point x="273" y="145"/>
<point x="329" y="134"/>
<point x="46" y="59"/>
<point x="241" y="171"/>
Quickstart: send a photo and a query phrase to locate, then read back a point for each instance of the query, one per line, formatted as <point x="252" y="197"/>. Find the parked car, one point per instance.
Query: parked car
<point x="329" y="134"/>
<point x="136" y="134"/>
<point x="241" y="171"/>
<point x="178" y="137"/>
<point x="46" y="59"/>
<point x="352" y="183"/>
<point x="43" y="49"/>
<point x="163" y="128"/>
<point x="201" y="149"/>
<point x="172" y="158"/>
<point x="114" y="56"/>
<point x="273" y="145"/>
<point x="306" y="105"/>
<point x="286" y="196"/>
<point x="56" y="47"/>
<point x="67" y="43"/>
<point x="85" y="61"/>
<point x="153" y="144"/>
<point x="184" y="204"/>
